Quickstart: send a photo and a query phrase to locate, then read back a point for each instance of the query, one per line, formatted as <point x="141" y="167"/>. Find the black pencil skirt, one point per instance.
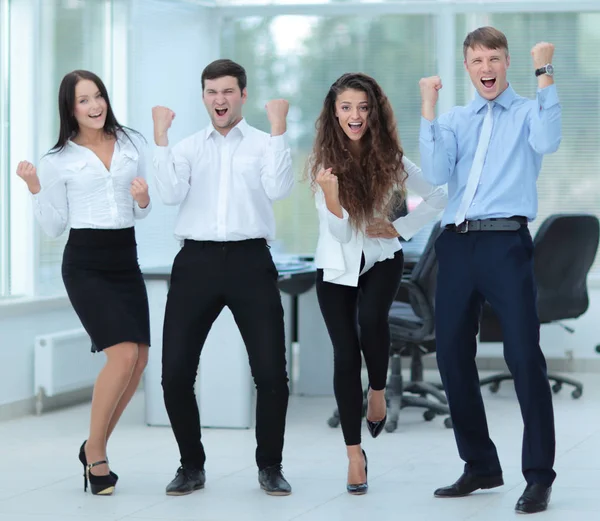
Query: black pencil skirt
<point x="105" y="286"/>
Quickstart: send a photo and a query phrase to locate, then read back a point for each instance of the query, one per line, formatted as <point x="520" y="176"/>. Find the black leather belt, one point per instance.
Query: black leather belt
<point x="509" y="224"/>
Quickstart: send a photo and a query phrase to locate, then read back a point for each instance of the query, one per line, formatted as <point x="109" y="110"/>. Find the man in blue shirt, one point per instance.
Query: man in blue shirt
<point x="490" y="154"/>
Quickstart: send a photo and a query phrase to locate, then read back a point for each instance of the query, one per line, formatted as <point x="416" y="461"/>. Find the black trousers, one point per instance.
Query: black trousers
<point x="496" y="266"/>
<point x="357" y="321"/>
<point x="207" y="276"/>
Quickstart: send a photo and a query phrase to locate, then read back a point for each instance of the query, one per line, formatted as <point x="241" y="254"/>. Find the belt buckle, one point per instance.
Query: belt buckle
<point x="463" y="227"/>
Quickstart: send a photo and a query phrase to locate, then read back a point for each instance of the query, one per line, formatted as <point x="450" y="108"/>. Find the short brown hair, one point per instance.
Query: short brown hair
<point x="486" y="37"/>
<point x="220" y="68"/>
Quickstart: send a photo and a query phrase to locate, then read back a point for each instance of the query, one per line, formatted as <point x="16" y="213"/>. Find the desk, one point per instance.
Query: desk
<point x="224" y="387"/>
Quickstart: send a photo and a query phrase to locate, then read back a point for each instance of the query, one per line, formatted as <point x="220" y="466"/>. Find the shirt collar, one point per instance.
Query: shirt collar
<point x="241" y="127"/>
<point x="504" y="100"/>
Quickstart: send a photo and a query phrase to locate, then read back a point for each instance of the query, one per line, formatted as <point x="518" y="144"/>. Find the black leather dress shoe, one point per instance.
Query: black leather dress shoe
<point x="468" y="483"/>
<point x="535" y="499"/>
<point x="272" y="481"/>
<point x="186" y="481"/>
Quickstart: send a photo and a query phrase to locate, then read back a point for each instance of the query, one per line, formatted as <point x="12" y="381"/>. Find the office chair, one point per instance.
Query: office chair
<point x="564" y="250"/>
<point x="412" y="332"/>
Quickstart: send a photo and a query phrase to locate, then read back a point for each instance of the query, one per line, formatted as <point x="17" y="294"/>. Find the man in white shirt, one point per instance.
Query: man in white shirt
<point x="225" y="178"/>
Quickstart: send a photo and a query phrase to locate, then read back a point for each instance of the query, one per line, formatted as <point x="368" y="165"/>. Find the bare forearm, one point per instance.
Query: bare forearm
<point x="161" y="138"/>
<point x="428" y="111"/>
<point x="545" y="81"/>
<point x="334" y="206"/>
<point x="278" y="129"/>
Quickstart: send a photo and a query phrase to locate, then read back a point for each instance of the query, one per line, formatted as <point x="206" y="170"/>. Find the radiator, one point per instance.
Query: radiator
<point x="63" y="363"/>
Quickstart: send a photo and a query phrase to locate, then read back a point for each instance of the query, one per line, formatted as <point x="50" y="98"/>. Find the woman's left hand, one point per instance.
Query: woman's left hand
<point x="139" y="191"/>
<point x="381" y="229"/>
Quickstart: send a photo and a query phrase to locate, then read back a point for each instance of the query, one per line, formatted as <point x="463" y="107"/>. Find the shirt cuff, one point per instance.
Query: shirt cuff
<point x="547" y="97"/>
<point x="138" y="208"/>
<point x="37" y="198"/>
<point x="161" y="153"/>
<point x="279" y="143"/>
<point x="430" y="130"/>
<point x="403" y="229"/>
<point x="332" y="217"/>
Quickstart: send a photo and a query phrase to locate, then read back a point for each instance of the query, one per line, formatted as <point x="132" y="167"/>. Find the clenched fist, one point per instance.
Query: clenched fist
<point x="139" y="191"/>
<point x="430" y="89"/>
<point x="27" y="172"/>
<point x="277" y="111"/>
<point x="328" y="183"/>
<point x="429" y="95"/>
<point x="162" y="117"/>
<point x="542" y="53"/>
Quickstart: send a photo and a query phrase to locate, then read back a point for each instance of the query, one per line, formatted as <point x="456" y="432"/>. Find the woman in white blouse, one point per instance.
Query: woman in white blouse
<point x="359" y="176"/>
<point x="93" y="179"/>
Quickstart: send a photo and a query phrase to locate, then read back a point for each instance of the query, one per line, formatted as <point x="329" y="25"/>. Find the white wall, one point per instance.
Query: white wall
<point x="168" y="49"/>
<point x="20" y="322"/>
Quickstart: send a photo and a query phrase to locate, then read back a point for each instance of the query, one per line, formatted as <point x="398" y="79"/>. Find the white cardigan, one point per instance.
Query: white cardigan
<point x="340" y="246"/>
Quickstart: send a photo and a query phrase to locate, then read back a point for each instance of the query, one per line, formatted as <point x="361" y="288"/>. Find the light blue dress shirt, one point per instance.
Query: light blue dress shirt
<point x="524" y="130"/>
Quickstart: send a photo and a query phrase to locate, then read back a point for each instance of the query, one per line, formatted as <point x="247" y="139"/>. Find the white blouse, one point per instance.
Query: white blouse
<point x="77" y="189"/>
<point x="340" y="247"/>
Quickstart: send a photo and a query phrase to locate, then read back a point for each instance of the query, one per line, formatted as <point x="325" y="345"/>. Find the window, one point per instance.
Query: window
<point x="298" y="57"/>
<point x="569" y="181"/>
<point x="74" y="35"/>
<point x="4" y="152"/>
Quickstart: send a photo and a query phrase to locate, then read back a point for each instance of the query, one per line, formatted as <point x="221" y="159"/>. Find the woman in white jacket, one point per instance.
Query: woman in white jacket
<point x="360" y="175"/>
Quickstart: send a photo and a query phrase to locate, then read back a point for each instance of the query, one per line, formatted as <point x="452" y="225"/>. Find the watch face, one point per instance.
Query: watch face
<point x="549" y="70"/>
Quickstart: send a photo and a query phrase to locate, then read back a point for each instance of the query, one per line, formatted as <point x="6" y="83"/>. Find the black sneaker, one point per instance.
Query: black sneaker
<point x="186" y="481"/>
<point x="272" y="481"/>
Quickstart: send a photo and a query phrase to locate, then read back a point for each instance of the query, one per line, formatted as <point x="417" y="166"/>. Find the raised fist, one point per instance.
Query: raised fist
<point x="27" y="172"/>
<point x="328" y="182"/>
<point x="430" y="89"/>
<point x="277" y="111"/>
<point x="542" y="54"/>
<point x="162" y="117"/>
<point x="139" y="191"/>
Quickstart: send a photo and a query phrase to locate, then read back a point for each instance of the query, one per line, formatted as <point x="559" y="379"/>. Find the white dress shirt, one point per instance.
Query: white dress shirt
<point x="225" y="184"/>
<point x="77" y="189"/>
<point x="340" y="246"/>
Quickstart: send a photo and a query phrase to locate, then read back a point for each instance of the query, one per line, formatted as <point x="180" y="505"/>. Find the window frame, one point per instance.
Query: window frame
<point x="5" y="235"/>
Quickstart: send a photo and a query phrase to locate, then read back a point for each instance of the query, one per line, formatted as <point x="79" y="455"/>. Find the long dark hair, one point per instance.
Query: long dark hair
<point x="365" y="180"/>
<point x="69" y="127"/>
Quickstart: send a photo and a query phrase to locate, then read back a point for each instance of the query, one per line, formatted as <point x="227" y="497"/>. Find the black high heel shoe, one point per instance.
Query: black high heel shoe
<point x="376" y="427"/>
<point x="83" y="459"/>
<point x="99" y="485"/>
<point x="360" y="488"/>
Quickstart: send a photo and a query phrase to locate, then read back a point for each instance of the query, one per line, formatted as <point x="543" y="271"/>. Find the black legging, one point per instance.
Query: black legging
<point x="339" y="305"/>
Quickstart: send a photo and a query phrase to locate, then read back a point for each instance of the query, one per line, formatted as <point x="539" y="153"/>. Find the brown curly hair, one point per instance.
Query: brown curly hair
<point x="366" y="180"/>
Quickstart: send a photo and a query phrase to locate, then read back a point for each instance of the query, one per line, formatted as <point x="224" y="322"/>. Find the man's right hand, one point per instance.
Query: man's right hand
<point x="27" y="172"/>
<point x="429" y="95"/>
<point x="162" y="117"/>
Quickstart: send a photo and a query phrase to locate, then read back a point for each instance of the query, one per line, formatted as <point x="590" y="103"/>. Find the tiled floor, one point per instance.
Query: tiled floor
<point x="40" y="476"/>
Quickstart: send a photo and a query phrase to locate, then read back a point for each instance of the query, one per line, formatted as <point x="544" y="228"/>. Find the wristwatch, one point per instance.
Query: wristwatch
<point x="546" y="69"/>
